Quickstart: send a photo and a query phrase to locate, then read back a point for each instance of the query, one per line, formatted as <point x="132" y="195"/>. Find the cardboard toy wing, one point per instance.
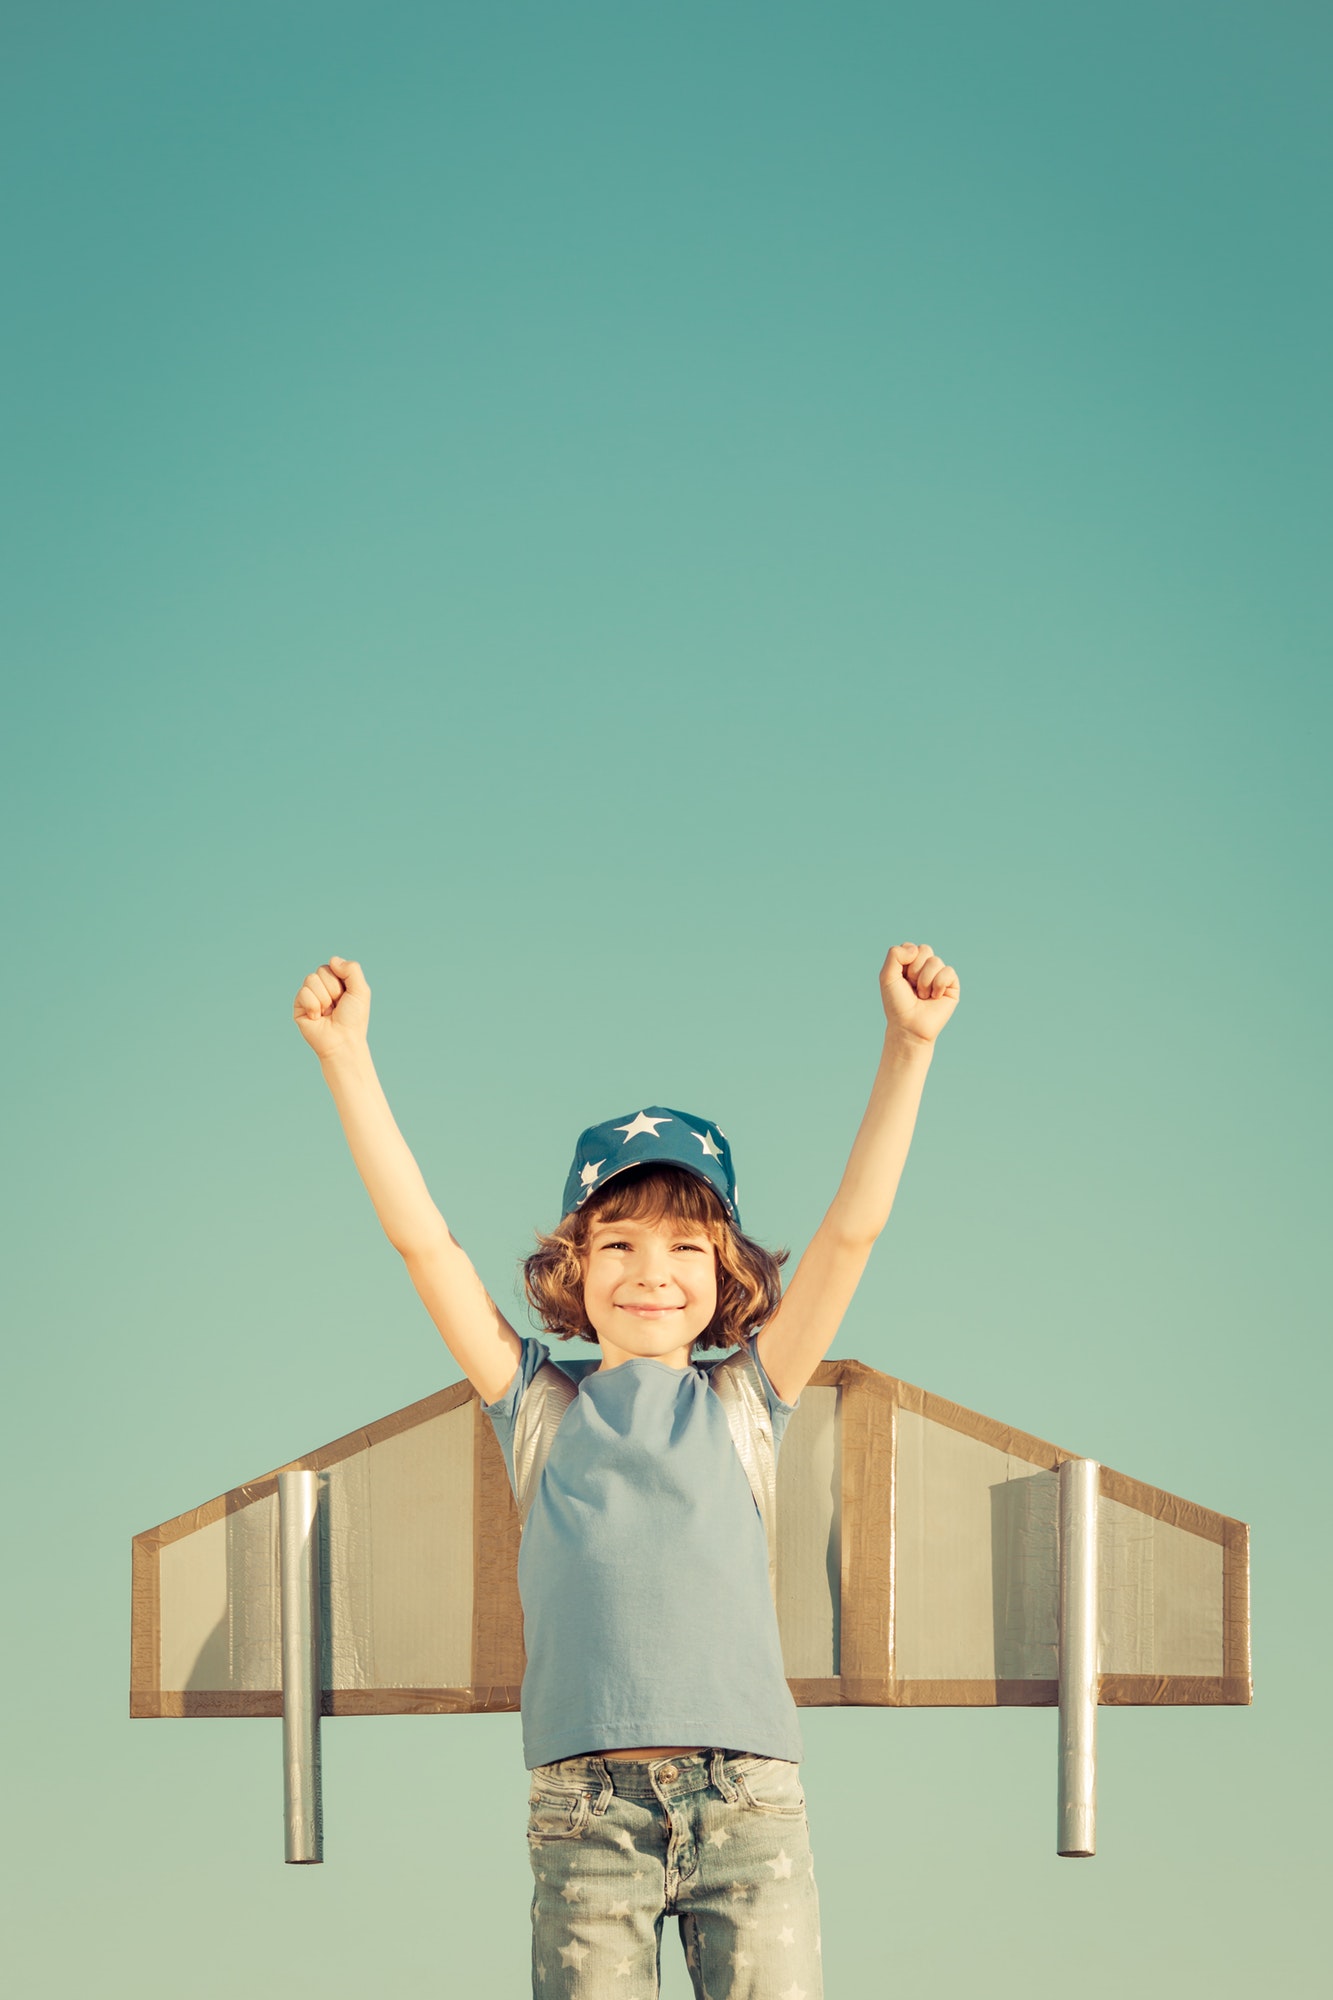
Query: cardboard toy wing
<point x="918" y="1564"/>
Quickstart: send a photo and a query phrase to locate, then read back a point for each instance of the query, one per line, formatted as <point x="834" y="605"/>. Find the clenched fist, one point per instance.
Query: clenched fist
<point x="332" y="1009"/>
<point x="918" y="989"/>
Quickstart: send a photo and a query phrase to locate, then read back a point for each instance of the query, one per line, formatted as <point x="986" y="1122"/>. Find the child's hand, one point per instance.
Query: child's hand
<point x="332" y="1009"/>
<point x="919" y="991"/>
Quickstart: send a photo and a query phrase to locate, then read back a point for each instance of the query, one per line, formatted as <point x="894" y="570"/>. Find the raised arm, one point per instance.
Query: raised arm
<point x="332" y="1010"/>
<point x="919" y="993"/>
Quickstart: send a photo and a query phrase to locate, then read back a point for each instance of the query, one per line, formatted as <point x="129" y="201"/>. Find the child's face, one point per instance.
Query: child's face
<point x="649" y="1288"/>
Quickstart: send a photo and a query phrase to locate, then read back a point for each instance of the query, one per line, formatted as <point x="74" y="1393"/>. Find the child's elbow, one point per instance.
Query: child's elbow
<point x="855" y="1237"/>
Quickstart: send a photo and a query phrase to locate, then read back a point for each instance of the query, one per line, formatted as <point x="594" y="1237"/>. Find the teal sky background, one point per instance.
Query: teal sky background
<point x="612" y="515"/>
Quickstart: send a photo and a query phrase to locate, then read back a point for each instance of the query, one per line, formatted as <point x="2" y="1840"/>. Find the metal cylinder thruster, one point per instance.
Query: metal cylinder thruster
<point x="298" y="1535"/>
<point x="1079" y="1672"/>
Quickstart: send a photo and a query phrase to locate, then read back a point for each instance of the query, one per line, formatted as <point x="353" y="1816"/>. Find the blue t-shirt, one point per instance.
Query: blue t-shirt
<point x="643" y="1571"/>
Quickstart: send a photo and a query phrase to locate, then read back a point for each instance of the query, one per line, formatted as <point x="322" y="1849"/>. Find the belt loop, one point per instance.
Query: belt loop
<point x="717" y="1776"/>
<point x="597" y="1769"/>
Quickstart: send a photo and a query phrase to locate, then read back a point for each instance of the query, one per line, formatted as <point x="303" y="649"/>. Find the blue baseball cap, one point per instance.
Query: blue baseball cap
<point x="655" y="1137"/>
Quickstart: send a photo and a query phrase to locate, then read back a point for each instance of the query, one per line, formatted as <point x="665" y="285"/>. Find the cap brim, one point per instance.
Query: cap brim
<point x="686" y="1167"/>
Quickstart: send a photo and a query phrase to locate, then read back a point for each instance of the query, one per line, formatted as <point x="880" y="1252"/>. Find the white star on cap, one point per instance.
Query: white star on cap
<point x="589" y="1173"/>
<point x="643" y="1123"/>
<point x="709" y="1144"/>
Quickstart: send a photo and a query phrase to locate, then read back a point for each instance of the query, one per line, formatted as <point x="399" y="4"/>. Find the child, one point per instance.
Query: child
<point x="659" y="1730"/>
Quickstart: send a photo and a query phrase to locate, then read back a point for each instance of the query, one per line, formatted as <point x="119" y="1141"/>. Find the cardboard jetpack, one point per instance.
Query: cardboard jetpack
<point x="926" y="1556"/>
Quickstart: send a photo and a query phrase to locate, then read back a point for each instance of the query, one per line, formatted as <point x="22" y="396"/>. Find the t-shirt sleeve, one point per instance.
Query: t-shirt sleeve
<point x="503" y="1412"/>
<point x="778" y="1411"/>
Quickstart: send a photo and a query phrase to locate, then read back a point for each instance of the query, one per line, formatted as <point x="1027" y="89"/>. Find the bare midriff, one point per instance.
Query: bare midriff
<point x="661" y="1750"/>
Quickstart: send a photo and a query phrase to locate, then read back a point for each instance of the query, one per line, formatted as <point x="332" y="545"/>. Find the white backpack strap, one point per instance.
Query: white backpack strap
<point x="547" y="1397"/>
<point x="738" y="1384"/>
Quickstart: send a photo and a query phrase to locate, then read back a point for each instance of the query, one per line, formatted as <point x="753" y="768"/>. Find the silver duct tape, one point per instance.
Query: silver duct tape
<point x="549" y="1395"/>
<point x="809" y="1518"/>
<point x="737" y="1383"/>
<point x="347" y="1645"/>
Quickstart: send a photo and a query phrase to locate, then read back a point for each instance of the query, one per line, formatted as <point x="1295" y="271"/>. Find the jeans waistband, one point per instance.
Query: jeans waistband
<point x="650" y="1777"/>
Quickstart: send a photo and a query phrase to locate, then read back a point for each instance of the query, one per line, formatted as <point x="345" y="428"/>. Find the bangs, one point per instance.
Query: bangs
<point x="653" y="1193"/>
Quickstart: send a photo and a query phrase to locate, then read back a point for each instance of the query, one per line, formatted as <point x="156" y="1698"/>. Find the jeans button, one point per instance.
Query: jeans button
<point x="670" y="1771"/>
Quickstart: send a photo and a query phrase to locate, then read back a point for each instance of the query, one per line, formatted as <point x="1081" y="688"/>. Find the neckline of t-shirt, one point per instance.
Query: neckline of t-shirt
<point x="639" y="1360"/>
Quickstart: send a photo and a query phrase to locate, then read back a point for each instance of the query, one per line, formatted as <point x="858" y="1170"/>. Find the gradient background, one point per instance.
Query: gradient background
<point x="612" y="515"/>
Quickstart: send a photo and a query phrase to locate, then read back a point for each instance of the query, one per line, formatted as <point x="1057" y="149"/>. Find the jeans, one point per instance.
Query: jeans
<point x="719" y="1842"/>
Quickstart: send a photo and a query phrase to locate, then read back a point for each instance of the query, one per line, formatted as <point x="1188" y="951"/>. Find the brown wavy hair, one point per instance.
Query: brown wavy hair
<point x="749" y="1287"/>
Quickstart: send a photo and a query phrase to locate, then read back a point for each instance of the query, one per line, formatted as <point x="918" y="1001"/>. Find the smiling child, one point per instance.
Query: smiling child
<point x="660" y="1733"/>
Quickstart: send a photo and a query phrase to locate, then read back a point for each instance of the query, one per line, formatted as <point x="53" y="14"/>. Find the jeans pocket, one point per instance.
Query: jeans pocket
<point x="556" y="1813"/>
<point x="771" y="1785"/>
